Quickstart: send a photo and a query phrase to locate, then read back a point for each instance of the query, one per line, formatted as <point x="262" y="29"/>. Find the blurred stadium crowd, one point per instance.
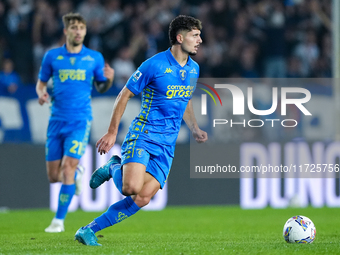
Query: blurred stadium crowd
<point x="241" y="38"/>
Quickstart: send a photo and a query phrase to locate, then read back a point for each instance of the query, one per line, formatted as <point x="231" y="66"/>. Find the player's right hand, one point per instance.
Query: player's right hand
<point x="105" y="143"/>
<point x="43" y="98"/>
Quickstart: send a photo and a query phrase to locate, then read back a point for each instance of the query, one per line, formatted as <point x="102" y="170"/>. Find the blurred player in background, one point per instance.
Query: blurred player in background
<point x="166" y="84"/>
<point x="73" y="67"/>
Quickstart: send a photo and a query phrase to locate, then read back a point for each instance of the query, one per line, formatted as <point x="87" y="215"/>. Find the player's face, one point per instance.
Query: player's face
<point x="191" y="41"/>
<point x="75" y="33"/>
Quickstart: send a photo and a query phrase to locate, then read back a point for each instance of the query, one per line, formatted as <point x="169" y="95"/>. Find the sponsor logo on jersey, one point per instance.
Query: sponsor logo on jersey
<point x="179" y="91"/>
<point x="168" y="70"/>
<point x="193" y="71"/>
<point x="136" y="76"/>
<point x="72" y="74"/>
<point x="60" y="57"/>
<point x="88" y="58"/>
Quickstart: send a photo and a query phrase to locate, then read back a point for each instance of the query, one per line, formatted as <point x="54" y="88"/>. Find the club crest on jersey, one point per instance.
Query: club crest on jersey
<point x="136" y="76"/>
<point x="183" y="74"/>
<point x="140" y="152"/>
<point x="72" y="60"/>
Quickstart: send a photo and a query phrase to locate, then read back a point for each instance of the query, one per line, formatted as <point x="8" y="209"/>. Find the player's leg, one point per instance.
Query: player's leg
<point x="124" y="208"/>
<point x="132" y="151"/>
<point x="74" y="136"/>
<point x="54" y="151"/>
<point x="111" y="169"/>
<point x="67" y="190"/>
<point x="55" y="174"/>
<point x="150" y="188"/>
<point x="54" y="154"/>
<point x="133" y="178"/>
<point x="133" y="181"/>
<point x="77" y="139"/>
<point x="53" y="171"/>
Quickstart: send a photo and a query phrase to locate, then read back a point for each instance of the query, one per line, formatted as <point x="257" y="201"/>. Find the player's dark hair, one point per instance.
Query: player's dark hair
<point x="182" y="23"/>
<point x="71" y="17"/>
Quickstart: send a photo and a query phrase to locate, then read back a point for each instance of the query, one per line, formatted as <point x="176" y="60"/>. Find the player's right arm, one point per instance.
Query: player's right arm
<point x="134" y="86"/>
<point x="105" y="143"/>
<point x="44" y="75"/>
<point x="41" y="89"/>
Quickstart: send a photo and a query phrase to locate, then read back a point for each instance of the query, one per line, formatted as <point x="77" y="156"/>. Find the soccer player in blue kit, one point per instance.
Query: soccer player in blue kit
<point x="167" y="82"/>
<point x="73" y="67"/>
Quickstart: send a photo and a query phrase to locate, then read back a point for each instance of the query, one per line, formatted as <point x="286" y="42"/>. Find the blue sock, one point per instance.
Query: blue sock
<point x="93" y="225"/>
<point x="115" y="214"/>
<point x="116" y="173"/>
<point x="65" y="197"/>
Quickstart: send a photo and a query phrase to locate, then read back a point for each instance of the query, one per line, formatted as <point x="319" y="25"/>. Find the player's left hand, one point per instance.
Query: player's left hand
<point x="109" y="73"/>
<point x="200" y="135"/>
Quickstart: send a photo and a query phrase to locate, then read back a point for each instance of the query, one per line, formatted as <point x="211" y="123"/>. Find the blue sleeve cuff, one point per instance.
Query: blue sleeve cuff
<point x="132" y="89"/>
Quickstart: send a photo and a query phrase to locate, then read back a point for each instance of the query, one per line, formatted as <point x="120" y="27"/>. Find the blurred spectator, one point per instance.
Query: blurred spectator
<point x="3" y="13"/>
<point x="138" y="43"/>
<point x="322" y="68"/>
<point x="94" y="37"/>
<point x="119" y="35"/>
<point x="94" y="14"/>
<point x="46" y="28"/>
<point x="308" y="52"/>
<point x="326" y="47"/>
<point x="46" y="31"/>
<point x="294" y="68"/>
<point x="157" y="39"/>
<point x="19" y="37"/>
<point x="123" y="66"/>
<point x="241" y="37"/>
<point x="201" y="59"/>
<point x="247" y="62"/>
<point x="218" y="15"/>
<point x="215" y="48"/>
<point x="320" y="14"/>
<point x="3" y="32"/>
<point x="274" y="45"/>
<point x="162" y="12"/>
<point x="9" y="79"/>
<point x="64" y="7"/>
<point x="113" y="13"/>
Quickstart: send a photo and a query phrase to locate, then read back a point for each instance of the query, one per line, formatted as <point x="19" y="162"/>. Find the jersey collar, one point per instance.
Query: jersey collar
<point x="83" y="49"/>
<point x="173" y="61"/>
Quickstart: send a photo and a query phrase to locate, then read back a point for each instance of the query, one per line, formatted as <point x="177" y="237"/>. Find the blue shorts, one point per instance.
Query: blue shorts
<point x="156" y="157"/>
<point x="68" y="138"/>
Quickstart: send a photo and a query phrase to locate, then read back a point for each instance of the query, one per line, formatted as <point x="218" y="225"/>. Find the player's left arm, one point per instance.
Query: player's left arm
<point x="103" y="86"/>
<point x="189" y="118"/>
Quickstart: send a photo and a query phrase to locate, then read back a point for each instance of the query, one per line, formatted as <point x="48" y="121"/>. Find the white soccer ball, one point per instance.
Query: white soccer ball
<point x="299" y="229"/>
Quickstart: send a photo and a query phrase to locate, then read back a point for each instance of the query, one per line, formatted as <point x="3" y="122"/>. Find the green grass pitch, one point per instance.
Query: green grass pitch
<point x="175" y="230"/>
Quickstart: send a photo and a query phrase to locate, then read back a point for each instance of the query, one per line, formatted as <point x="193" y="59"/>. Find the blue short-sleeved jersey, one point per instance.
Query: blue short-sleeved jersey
<point x="73" y="75"/>
<point x="166" y="89"/>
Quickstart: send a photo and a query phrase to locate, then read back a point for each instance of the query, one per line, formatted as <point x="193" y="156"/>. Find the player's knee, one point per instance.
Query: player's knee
<point x="68" y="173"/>
<point x="129" y="189"/>
<point x="52" y="178"/>
<point x="142" y="201"/>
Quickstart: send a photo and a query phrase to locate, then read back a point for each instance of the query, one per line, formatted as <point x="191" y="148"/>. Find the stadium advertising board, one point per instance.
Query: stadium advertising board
<point x="23" y="184"/>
